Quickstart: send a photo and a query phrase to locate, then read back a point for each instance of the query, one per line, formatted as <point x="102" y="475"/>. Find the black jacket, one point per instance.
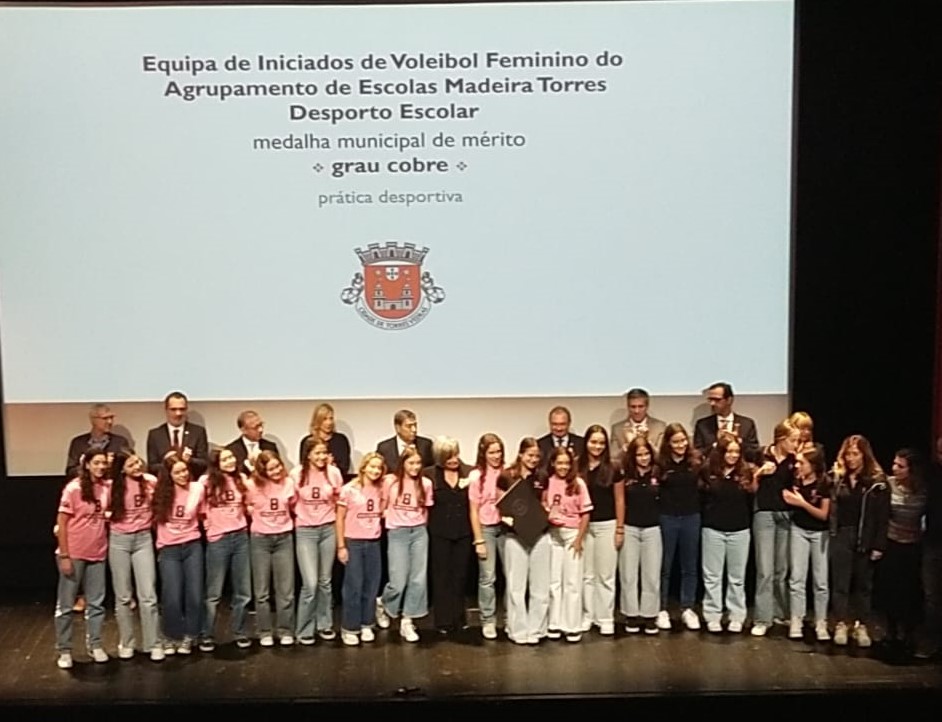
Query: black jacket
<point x="874" y="512"/>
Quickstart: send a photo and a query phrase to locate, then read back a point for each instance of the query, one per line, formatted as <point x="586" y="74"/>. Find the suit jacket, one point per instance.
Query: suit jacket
<point x="704" y="435"/>
<point x="575" y="442"/>
<point x="159" y="443"/>
<point x="656" y="429"/>
<point x="79" y="445"/>
<point x="241" y="452"/>
<point x="390" y="452"/>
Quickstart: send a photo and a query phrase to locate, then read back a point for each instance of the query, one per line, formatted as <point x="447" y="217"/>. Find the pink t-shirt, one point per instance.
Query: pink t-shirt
<point x="184" y="523"/>
<point x="85" y="528"/>
<point x="402" y="504"/>
<point x="223" y="514"/>
<point x="270" y="506"/>
<point x="484" y="496"/>
<point x="364" y="510"/>
<point x="317" y="499"/>
<point x="565" y="510"/>
<point x="138" y="514"/>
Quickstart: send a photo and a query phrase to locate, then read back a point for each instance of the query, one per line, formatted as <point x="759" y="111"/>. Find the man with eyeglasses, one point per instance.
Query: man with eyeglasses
<point x="99" y="438"/>
<point x="720" y="397"/>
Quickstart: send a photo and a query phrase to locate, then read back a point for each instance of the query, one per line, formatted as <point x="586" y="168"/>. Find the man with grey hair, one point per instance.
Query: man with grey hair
<point x="638" y="423"/>
<point x="99" y="438"/>
<point x="250" y="443"/>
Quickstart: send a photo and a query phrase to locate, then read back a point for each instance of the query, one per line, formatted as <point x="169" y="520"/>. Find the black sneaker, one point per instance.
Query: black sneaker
<point x="633" y="625"/>
<point x="650" y="626"/>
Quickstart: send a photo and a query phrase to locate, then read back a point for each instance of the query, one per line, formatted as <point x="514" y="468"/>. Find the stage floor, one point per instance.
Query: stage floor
<point x="668" y="667"/>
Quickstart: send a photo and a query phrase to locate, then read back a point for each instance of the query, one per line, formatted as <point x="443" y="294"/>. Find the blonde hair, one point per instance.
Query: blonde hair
<point x="801" y="420"/>
<point x="364" y="462"/>
<point x="783" y="429"/>
<point x="321" y="411"/>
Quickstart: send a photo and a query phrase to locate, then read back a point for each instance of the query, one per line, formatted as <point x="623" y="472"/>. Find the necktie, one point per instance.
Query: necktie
<point x="559" y="441"/>
<point x="176" y="438"/>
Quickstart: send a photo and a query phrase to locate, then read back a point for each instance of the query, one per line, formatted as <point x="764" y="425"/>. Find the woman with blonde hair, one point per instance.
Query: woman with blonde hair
<point x="323" y="427"/>
<point x="802" y="421"/>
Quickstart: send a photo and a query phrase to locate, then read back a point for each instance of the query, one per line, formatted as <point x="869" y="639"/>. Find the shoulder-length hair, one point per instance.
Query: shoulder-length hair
<point x="606" y="472"/>
<point x="400" y="474"/>
<point x="307" y="466"/>
<point x="260" y="469"/>
<point x="321" y="412"/>
<point x="665" y="455"/>
<point x="483" y="443"/>
<point x="364" y="462"/>
<point x="515" y="470"/>
<point x="631" y="458"/>
<point x="716" y="462"/>
<point x="163" y="492"/>
<point x="217" y="479"/>
<point x="871" y="470"/>
<point x="916" y="468"/>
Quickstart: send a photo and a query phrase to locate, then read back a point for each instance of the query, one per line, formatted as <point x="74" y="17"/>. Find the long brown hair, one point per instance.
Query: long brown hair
<point x="118" y="483"/>
<point x="307" y="466"/>
<point x="400" y="474"/>
<point x="260" y="469"/>
<point x="665" y="455"/>
<point x="606" y="472"/>
<point x="870" y="471"/>
<point x="572" y="476"/>
<point x="218" y="478"/>
<point x="716" y="462"/>
<point x="86" y="483"/>
<point x="481" y="462"/>
<point x="163" y="492"/>
<point x="515" y="470"/>
<point x="631" y="459"/>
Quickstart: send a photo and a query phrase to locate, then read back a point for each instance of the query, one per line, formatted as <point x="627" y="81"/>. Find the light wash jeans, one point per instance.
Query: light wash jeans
<point x="640" y="560"/>
<point x="90" y="575"/>
<point x="315" y="548"/>
<point x="566" y="578"/>
<point x="487" y="572"/>
<point x="601" y="561"/>
<point x="527" y="568"/>
<point x="273" y="559"/>
<point x="770" y="529"/>
<point x="729" y="548"/>
<point x="229" y="553"/>
<point x="406" y="592"/>
<point x="804" y="546"/>
<point x="132" y="555"/>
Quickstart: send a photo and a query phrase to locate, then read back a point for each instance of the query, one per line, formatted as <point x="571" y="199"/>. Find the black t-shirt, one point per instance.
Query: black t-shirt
<point x="679" y="490"/>
<point x="642" y="507"/>
<point x="603" y="497"/>
<point x="769" y="494"/>
<point x="726" y="505"/>
<point x="814" y="493"/>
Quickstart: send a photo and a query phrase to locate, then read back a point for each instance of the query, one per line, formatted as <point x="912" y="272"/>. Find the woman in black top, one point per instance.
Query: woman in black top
<point x="606" y="530"/>
<point x="449" y="528"/>
<point x="323" y="426"/>
<point x="727" y="488"/>
<point x="680" y="522"/>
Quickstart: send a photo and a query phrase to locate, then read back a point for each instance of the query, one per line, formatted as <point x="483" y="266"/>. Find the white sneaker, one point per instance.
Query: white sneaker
<point x="307" y="641"/>
<point x="170" y="648"/>
<point x="407" y="630"/>
<point x="663" y="620"/>
<point x="759" y="629"/>
<point x="840" y="634"/>
<point x="351" y="639"/>
<point x="267" y="641"/>
<point x="367" y="634"/>
<point x="64" y="661"/>
<point x="382" y="616"/>
<point x="99" y="655"/>
<point x="287" y="641"/>
<point x="821" y="631"/>
<point x="780" y="622"/>
<point x="606" y="629"/>
<point x="327" y="634"/>
<point x="714" y="627"/>
<point x="690" y="620"/>
<point x="861" y="636"/>
<point x="157" y="654"/>
<point x="125" y="652"/>
<point x="734" y="627"/>
<point x="489" y="630"/>
<point x="186" y="646"/>
<point x="554" y="634"/>
<point x="795" y="628"/>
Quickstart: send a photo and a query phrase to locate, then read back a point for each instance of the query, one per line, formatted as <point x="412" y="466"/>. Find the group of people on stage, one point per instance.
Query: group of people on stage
<point x="570" y="518"/>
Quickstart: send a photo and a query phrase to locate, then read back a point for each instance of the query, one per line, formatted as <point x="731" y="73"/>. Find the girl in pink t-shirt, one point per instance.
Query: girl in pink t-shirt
<point x="407" y="496"/>
<point x="131" y="554"/>
<point x="227" y="547"/>
<point x="271" y="497"/>
<point x="359" y="511"/>
<point x="83" y="546"/>
<point x="486" y="526"/>
<point x="568" y="503"/>
<point x="177" y="505"/>
<point x="318" y="484"/>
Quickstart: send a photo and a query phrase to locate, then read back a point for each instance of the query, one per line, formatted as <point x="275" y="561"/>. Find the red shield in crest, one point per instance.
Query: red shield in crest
<point x="392" y="289"/>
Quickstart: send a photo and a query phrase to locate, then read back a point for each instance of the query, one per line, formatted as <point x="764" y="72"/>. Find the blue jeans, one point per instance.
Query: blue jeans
<point x="770" y="529"/>
<point x="315" y="547"/>
<point x="804" y="546"/>
<point x="91" y="575"/>
<point x="406" y="592"/>
<point x="133" y="555"/>
<point x="487" y="572"/>
<point x="729" y="548"/>
<point x="229" y="553"/>
<point x="181" y="593"/>
<point x="361" y="583"/>
<point x="681" y="535"/>
<point x="273" y="561"/>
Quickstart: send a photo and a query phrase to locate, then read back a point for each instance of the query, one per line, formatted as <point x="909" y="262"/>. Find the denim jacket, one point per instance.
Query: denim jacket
<point x="874" y="513"/>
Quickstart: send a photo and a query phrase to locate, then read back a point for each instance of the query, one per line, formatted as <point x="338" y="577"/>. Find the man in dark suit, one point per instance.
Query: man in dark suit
<point x="720" y="397"/>
<point x="250" y="443"/>
<point x="99" y="438"/>
<point x="559" y="422"/>
<point x="177" y="436"/>
<point x="407" y="430"/>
